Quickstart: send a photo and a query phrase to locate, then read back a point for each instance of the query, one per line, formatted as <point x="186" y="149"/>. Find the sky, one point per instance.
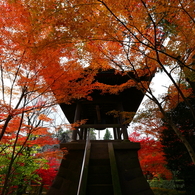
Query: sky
<point x="159" y="84"/>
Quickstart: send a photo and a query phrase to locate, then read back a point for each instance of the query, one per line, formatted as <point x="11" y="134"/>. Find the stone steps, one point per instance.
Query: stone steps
<point x="99" y="172"/>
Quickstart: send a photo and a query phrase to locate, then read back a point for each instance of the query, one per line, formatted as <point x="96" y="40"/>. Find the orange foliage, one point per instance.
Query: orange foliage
<point x="42" y="141"/>
<point x="45" y="118"/>
<point x="47" y="45"/>
<point x="76" y="124"/>
<point x="55" y="41"/>
<point x="173" y="97"/>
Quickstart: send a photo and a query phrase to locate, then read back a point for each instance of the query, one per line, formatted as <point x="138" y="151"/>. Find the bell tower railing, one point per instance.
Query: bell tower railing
<point x="84" y="169"/>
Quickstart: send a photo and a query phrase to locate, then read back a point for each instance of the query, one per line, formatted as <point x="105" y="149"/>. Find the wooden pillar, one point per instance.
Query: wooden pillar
<point x="76" y="118"/>
<point x="122" y="120"/>
<point x="81" y="133"/>
<point x="74" y="134"/>
<point x="124" y="130"/>
<point x="119" y="133"/>
<point x="115" y="133"/>
<point x="85" y="133"/>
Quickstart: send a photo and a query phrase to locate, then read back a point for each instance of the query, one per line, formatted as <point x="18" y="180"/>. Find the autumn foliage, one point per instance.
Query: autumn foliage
<point x="48" y="174"/>
<point x="51" y="51"/>
<point x="151" y="157"/>
<point x="22" y="156"/>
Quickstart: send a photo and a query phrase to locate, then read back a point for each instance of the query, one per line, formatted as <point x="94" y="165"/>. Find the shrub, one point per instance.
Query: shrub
<point x="167" y="184"/>
<point x="162" y="191"/>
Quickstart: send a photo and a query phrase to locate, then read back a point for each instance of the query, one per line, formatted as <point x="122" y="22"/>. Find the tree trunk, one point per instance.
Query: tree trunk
<point x="184" y="141"/>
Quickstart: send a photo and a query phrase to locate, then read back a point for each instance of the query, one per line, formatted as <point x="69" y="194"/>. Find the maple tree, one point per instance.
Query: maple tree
<point x="48" y="174"/>
<point x="32" y="52"/>
<point x="20" y="150"/>
<point x="177" y="157"/>
<point x="31" y="56"/>
<point x="23" y="117"/>
<point x="46" y="46"/>
<point x="150" y="35"/>
<point x="151" y="157"/>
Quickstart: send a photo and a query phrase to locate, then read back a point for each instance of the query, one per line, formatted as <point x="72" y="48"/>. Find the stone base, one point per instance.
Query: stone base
<point x="100" y="174"/>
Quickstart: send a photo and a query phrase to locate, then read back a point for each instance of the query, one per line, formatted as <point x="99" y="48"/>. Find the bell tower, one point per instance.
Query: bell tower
<point x="102" y="167"/>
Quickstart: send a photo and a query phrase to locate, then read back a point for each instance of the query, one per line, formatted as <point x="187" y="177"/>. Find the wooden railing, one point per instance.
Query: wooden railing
<point x="84" y="170"/>
<point x="114" y="170"/>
